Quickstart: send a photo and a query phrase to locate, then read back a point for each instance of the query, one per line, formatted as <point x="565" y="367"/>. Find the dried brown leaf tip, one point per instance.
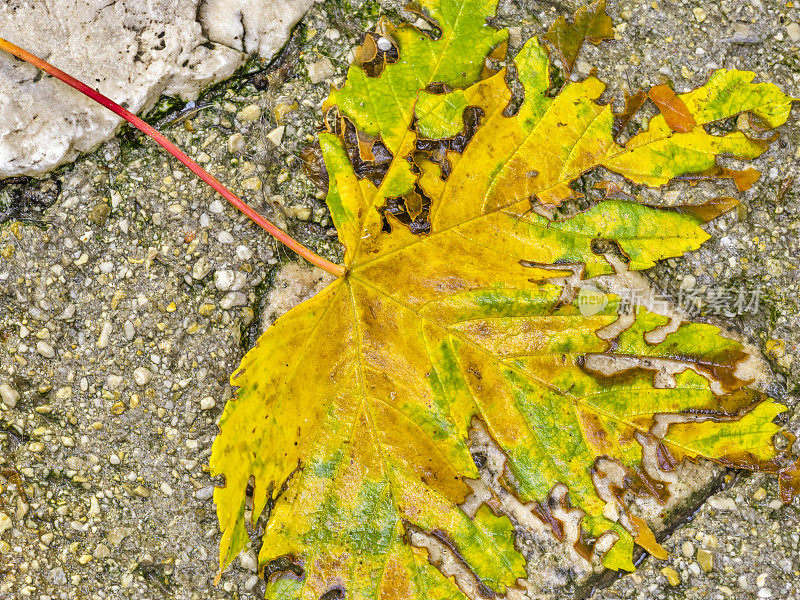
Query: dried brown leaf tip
<point x="633" y="102"/>
<point x="676" y="113"/>
<point x="590" y="23"/>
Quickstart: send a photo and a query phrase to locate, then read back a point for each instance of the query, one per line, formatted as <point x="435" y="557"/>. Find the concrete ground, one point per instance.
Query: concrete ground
<point x="130" y="293"/>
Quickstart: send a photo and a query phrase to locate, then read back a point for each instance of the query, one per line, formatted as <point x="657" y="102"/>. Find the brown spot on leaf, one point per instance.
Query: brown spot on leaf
<point x="436" y="150"/>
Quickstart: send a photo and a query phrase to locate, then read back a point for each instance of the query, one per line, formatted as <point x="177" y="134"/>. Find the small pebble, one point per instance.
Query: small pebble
<point x="276" y="135"/>
<point x="688" y="549"/>
<point x="99" y="213"/>
<point x="760" y="494"/>
<point x="232" y="299"/>
<point x="236" y="143"/>
<point x="252" y="183"/>
<point x="248" y="561"/>
<point x="141" y="491"/>
<point x="223" y="279"/>
<point x="706" y="560"/>
<point x="74" y="463"/>
<point x="251" y="582"/>
<point x="721" y="503"/>
<point x="129" y="330"/>
<point x="216" y="206"/>
<point x="320" y="70"/>
<point x="688" y="283"/>
<point x="249" y="113"/>
<point x="201" y="268"/>
<point x="9" y="395"/>
<point x="671" y="575"/>
<point x="101" y="551"/>
<point x="793" y="30"/>
<point x="244" y="253"/>
<point x="302" y="212"/>
<point x="142" y="376"/>
<point x="207" y="403"/>
<point x="204" y="493"/>
<point x="225" y="238"/>
<point x="105" y="335"/>
<point x="45" y="349"/>
<point x="5" y="522"/>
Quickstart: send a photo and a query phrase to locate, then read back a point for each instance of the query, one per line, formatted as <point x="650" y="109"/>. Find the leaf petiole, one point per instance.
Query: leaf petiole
<point x="209" y="179"/>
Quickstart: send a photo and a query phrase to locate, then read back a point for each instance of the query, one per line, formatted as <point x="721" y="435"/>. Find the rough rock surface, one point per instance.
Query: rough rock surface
<point x="132" y="51"/>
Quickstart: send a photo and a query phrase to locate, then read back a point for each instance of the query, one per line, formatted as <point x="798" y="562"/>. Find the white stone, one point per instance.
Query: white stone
<point x="688" y="283"/>
<point x="320" y="70"/>
<point x="232" y="299"/>
<point x="204" y="493"/>
<point x="45" y="349"/>
<point x="130" y="330"/>
<point x="201" y="268"/>
<point x="142" y="375"/>
<point x="216" y="206"/>
<point x="248" y="560"/>
<point x="163" y="48"/>
<point x="251" y="582"/>
<point x="105" y="335"/>
<point x="223" y="279"/>
<point x="207" y="403"/>
<point x="276" y="135"/>
<point x="225" y="238"/>
<point x="236" y="143"/>
<point x="721" y="503"/>
<point x="9" y="395"/>
<point x="793" y="30"/>
<point x="244" y="253"/>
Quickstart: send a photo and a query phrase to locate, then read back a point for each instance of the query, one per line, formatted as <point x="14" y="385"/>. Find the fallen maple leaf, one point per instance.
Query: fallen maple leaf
<point x="354" y="410"/>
